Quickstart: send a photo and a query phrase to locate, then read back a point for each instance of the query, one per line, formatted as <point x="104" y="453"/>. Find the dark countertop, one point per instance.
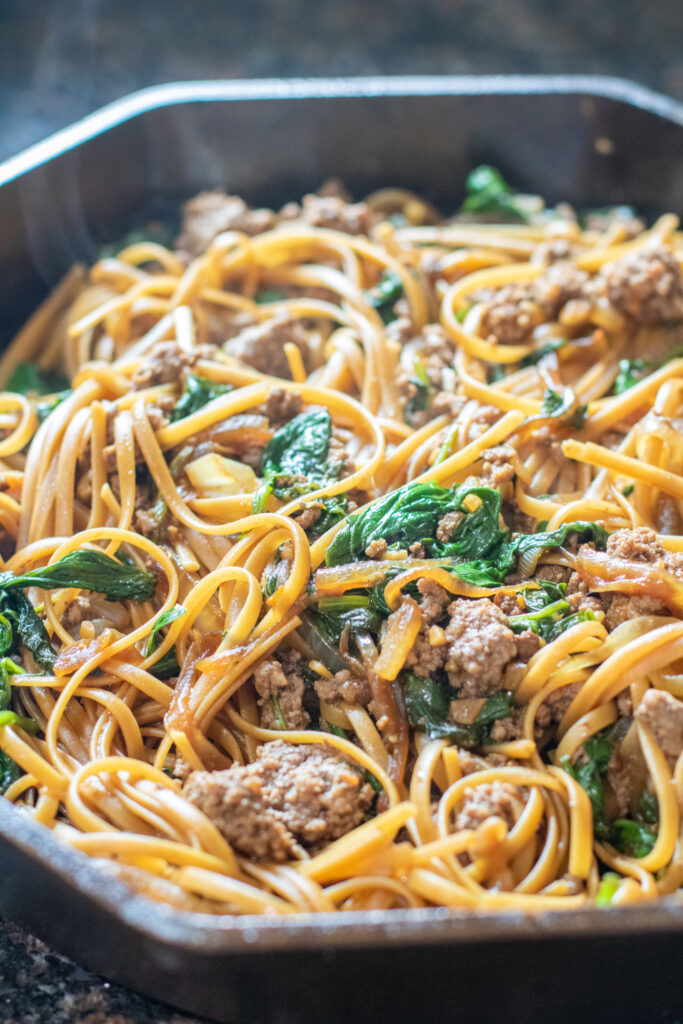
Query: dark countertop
<point x="38" y="986"/>
<point x="60" y="61"/>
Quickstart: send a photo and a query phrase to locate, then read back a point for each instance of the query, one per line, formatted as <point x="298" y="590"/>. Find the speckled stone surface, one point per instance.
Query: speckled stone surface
<point x="62" y="59"/>
<point x="38" y="986"/>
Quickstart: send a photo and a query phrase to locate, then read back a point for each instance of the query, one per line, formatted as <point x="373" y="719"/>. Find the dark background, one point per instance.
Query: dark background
<point x="60" y="60"/>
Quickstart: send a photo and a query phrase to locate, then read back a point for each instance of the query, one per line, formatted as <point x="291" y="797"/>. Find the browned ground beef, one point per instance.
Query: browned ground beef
<point x="510" y="314"/>
<point x="448" y="524"/>
<point x="646" y="285"/>
<point x="292" y="794"/>
<point x="166" y="363"/>
<point x="480" y="646"/>
<point x="211" y="213"/>
<point x="624" y="607"/>
<point x="434" y="600"/>
<point x="552" y="251"/>
<point x="282" y="406"/>
<point x="559" y="283"/>
<point x="279" y="679"/>
<point x="663" y="713"/>
<point x="344" y="687"/>
<point x="262" y="346"/>
<point x="637" y="546"/>
<point x="437" y="355"/>
<point x="491" y="799"/>
<point x="332" y="212"/>
<point x="376" y="548"/>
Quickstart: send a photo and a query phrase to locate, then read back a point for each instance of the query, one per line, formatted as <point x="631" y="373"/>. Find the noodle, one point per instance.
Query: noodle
<point x="348" y="571"/>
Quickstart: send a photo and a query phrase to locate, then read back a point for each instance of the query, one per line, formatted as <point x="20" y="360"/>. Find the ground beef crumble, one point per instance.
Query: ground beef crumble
<point x="480" y="646"/>
<point x="167" y="363"/>
<point x="280" y="677"/>
<point x="332" y="212"/>
<point x="210" y="213"/>
<point x="646" y="285"/>
<point x="663" y="713"/>
<point x="293" y="795"/>
<point x="491" y="799"/>
<point x="262" y="346"/>
<point x="344" y="687"/>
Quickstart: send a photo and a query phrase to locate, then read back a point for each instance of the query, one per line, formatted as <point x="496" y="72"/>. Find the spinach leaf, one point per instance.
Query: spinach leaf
<point x="88" y="570"/>
<point x="385" y="295"/>
<point x="418" y="402"/>
<point x="648" y="807"/>
<point x="526" y="543"/>
<point x="634" y="838"/>
<point x="44" y="408"/>
<point x="28" y="378"/>
<point x="196" y="393"/>
<point x="332" y="510"/>
<point x="632" y="371"/>
<point x="588" y="773"/>
<point x="402" y="517"/>
<point x="166" y="619"/>
<point x="269" y="295"/>
<point x="541" y="620"/>
<point x="9" y="769"/>
<point x="428" y="702"/>
<point x="483" y="550"/>
<point x="299" y="450"/>
<point x="561" y="405"/>
<point x="300" y="447"/>
<point x="496" y="373"/>
<point x="335" y="614"/>
<point x="168" y="664"/>
<point x="488" y="192"/>
<point x="28" y="628"/>
<point x="160" y="232"/>
<point x="543" y="350"/>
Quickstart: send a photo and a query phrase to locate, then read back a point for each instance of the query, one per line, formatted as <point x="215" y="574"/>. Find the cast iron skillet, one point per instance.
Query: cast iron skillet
<point x="590" y="140"/>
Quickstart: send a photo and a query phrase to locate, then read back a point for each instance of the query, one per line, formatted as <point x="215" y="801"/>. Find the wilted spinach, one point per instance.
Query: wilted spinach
<point x="428" y="702"/>
<point x="29" y="379"/>
<point x="385" y="295"/>
<point x="484" y="550"/>
<point x="488" y="192"/>
<point x="543" y="350"/>
<point x="196" y="393"/>
<point x="634" y="838"/>
<point x="547" y="612"/>
<point x="562" y="405"/>
<point x="300" y="450"/>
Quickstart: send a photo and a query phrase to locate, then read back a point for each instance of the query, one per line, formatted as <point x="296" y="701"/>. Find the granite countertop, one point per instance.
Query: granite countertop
<point x="59" y="62"/>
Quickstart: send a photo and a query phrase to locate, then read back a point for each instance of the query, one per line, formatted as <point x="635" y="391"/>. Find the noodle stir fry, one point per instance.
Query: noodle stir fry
<point x="342" y="556"/>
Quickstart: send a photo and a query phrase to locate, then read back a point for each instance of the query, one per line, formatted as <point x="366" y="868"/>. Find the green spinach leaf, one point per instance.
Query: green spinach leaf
<point x="488" y="192"/>
<point x="562" y="405"/>
<point x="428" y="702"/>
<point x="44" y="408"/>
<point x="88" y="570"/>
<point x="483" y="550"/>
<point x="29" y="379"/>
<point x="385" y="295"/>
<point x="198" y="391"/>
